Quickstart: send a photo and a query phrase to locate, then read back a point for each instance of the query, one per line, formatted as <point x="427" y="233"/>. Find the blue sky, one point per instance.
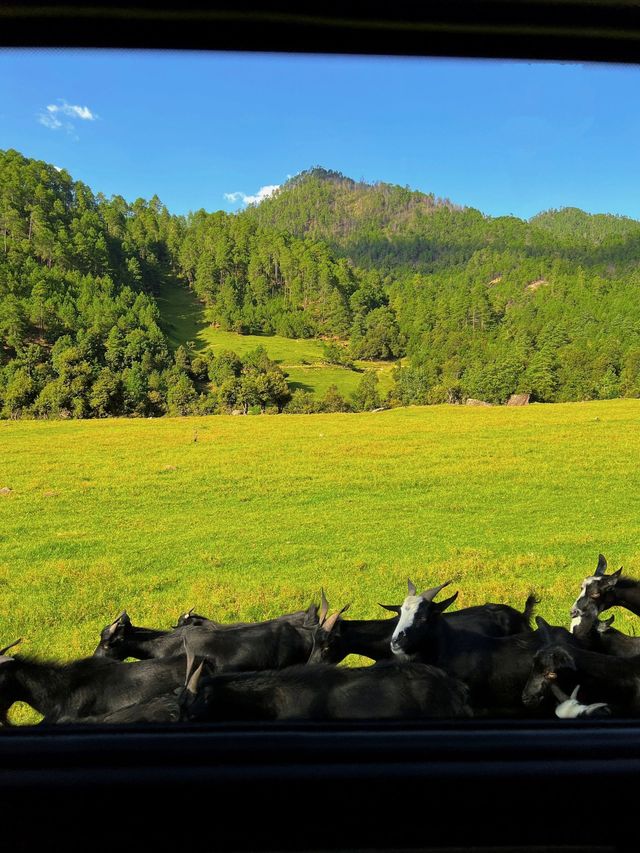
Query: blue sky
<point x="505" y="137"/>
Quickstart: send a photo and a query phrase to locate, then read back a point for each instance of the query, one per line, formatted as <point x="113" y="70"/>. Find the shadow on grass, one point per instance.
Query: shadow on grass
<point x="301" y="386"/>
<point x="181" y="315"/>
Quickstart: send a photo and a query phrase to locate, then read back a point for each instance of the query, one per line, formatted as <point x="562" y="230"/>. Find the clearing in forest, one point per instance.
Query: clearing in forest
<point x="184" y="321"/>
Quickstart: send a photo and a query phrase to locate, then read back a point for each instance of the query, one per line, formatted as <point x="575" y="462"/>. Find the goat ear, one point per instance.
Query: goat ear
<point x="609" y="581"/>
<point x="441" y="606"/>
<point x="311" y="618"/>
<point x="544" y="628"/>
<point x="601" y="568"/>
<point x="394" y="608"/>
<point x="605" y="624"/>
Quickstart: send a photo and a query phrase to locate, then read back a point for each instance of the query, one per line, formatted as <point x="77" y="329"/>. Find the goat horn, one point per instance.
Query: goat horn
<point x="6" y="649"/>
<point x="411" y="586"/>
<point x="192" y="683"/>
<point x="329" y="625"/>
<point x="324" y="607"/>
<point x="190" y="658"/>
<point x="394" y="608"/>
<point x="430" y="594"/>
<point x="601" y="568"/>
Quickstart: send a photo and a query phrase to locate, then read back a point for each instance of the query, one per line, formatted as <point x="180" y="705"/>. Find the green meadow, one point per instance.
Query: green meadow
<point x="247" y="517"/>
<point x="184" y="321"/>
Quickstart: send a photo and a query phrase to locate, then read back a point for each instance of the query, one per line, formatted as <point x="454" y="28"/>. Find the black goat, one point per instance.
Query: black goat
<point x="196" y="620"/>
<point x="164" y="708"/>
<point x="597" y="635"/>
<point x="372" y="637"/>
<point x="603" y="678"/>
<point x="160" y="709"/>
<point x="494" y="668"/>
<point x="386" y="691"/>
<point x="259" y="645"/>
<point x="86" y="687"/>
<point x="121" y="640"/>
<point x="341" y="637"/>
<point x="605" y="591"/>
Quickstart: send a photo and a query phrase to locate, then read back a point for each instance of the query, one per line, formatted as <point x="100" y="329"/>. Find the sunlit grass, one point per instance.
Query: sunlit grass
<point x="233" y="514"/>
<point x="302" y="360"/>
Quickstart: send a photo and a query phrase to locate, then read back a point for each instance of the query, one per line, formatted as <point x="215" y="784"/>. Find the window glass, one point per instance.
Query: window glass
<point x="278" y="333"/>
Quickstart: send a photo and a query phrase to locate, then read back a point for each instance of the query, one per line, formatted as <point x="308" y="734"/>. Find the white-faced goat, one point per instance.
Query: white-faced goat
<point x="495" y="668"/>
<point x="372" y="637"/>
<point x="605" y="591"/>
<point x="493" y="620"/>
<point x="386" y="691"/>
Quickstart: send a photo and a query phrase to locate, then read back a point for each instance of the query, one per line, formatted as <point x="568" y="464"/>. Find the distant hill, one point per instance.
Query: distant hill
<point x="379" y="225"/>
<point x="388" y="226"/>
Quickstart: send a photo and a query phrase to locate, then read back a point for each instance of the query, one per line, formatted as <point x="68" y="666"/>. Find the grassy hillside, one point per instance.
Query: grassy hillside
<point x="256" y="514"/>
<point x="302" y="359"/>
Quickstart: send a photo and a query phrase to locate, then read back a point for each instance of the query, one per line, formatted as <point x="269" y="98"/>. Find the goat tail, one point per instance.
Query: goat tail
<point x="533" y="600"/>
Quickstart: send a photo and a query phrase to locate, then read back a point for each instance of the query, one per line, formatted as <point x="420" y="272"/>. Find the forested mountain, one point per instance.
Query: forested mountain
<point x="481" y="306"/>
<point x="485" y="306"/>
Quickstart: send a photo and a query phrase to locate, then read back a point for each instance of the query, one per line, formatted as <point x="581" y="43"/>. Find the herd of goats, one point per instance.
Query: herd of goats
<point x="483" y="661"/>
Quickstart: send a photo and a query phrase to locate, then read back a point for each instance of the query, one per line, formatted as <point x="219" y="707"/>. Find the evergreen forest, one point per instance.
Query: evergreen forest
<point x="464" y="304"/>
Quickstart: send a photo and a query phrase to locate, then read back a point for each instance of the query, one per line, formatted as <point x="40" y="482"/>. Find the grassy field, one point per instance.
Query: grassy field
<point x="250" y="519"/>
<point x="301" y="359"/>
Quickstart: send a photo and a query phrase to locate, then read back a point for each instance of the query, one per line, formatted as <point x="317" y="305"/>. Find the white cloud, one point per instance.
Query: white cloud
<point x="50" y="121"/>
<point x="263" y="192"/>
<point x="63" y="115"/>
